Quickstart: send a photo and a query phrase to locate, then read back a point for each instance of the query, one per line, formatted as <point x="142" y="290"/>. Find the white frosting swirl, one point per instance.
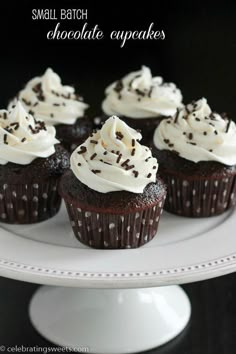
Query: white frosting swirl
<point x="113" y="160"/>
<point x="47" y="99"/>
<point x="23" y="138"/>
<point x="198" y="134"/>
<point x="139" y="95"/>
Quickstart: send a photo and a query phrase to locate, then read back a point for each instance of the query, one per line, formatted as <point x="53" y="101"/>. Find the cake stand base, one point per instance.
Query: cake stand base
<point x="110" y="320"/>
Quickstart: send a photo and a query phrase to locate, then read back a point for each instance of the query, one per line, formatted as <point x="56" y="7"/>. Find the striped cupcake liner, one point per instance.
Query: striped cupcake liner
<point x="199" y="197"/>
<point x="29" y="203"/>
<point x="114" y="231"/>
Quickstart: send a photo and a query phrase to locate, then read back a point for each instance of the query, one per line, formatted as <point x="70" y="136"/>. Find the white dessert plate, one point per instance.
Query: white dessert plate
<point x="184" y="250"/>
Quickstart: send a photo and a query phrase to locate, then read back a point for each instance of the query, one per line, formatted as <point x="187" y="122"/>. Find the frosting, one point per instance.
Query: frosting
<point x="198" y="134"/>
<point x="139" y="95"/>
<point x="23" y="138"/>
<point x="112" y="159"/>
<point x="47" y="99"/>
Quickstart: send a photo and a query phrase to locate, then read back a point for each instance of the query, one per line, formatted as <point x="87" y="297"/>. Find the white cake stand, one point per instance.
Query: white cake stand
<point x="116" y="301"/>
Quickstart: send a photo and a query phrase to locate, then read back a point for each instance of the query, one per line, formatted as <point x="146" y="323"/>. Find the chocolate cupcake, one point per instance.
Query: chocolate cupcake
<point x="30" y="168"/>
<point x="142" y="101"/>
<point x="112" y="194"/>
<point x="47" y="99"/>
<point x="196" y="150"/>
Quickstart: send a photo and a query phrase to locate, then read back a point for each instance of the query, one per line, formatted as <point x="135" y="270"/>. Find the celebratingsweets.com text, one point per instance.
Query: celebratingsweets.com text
<point x="90" y="32"/>
<point x="44" y="350"/>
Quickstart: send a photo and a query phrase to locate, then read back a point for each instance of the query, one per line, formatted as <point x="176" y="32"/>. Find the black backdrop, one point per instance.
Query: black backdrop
<point x="199" y="54"/>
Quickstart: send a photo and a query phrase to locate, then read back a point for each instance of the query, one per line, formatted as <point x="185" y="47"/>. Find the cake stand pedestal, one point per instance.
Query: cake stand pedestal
<point x="115" y="301"/>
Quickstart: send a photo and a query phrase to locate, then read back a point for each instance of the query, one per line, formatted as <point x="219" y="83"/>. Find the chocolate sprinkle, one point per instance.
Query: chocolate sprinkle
<point x="129" y="167"/>
<point x="23" y="139"/>
<point x="190" y="136"/>
<point x="83" y="149"/>
<point x="96" y="171"/>
<point x="119" y="136"/>
<point x="135" y="173"/>
<point x="119" y="86"/>
<point x="176" y="116"/>
<point x="105" y="153"/>
<point x="5" y="139"/>
<point x="93" y="141"/>
<point x="125" y="162"/>
<point x="79" y="164"/>
<point x="149" y="175"/>
<point x="204" y="133"/>
<point x="228" y="125"/>
<point x="132" y="152"/>
<point x="93" y="156"/>
<point x="133" y="142"/>
<point x="118" y="158"/>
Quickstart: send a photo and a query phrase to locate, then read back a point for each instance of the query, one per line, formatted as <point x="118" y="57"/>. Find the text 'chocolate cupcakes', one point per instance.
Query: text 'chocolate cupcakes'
<point x="30" y="168"/>
<point x="113" y="197"/>
<point x="196" y="150"/>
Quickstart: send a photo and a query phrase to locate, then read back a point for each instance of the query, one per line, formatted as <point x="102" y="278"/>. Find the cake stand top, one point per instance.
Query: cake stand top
<point x="184" y="250"/>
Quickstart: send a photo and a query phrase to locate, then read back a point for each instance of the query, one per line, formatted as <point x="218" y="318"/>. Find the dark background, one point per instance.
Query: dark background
<point x="198" y="54"/>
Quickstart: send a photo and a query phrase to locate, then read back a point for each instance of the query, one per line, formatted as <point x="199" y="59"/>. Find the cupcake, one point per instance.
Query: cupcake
<point x="142" y="101"/>
<point x="47" y="99"/>
<point x="31" y="163"/>
<point x="196" y="150"/>
<point x="112" y="194"/>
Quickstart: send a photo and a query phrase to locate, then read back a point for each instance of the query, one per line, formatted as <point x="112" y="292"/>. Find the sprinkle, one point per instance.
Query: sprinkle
<point x="107" y="163"/>
<point x="133" y="142"/>
<point x="149" y="175"/>
<point x="5" y="139"/>
<point x="31" y="112"/>
<point x="93" y="142"/>
<point x="210" y="150"/>
<point x="37" y="88"/>
<point x="96" y="171"/>
<point x="93" y="156"/>
<point x="129" y="167"/>
<point x="228" y="125"/>
<point x="118" y="158"/>
<point x="154" y="167"/>
<point x="56" y="104"/>
<point x="197" y="119"/>
<point x="139" y="92"/>
<point x="79" y="164"/>
<point x="35" y="104"/>
<point x="105" y="153"/>
<point x="204" y="133"/>
<point x="211" y="124"/>
<point x="166" y="141"/>
<point x="23" y="139"/>
<point x="190" y="136"/>
<point x="4" y="115"/>
<point x="82" y="150"/>
<point x="51" y="115"/>
<point x="171" y="145"/>
<point x="28" y="103"/>
<point x="119" y="136"/>
<point x="119" y="86"/>
<point x="184" y="133"/>
<point x="125" y="162"/>
<point x="189" y="142"/>
<point x="148" y="158"/>
<point x="176" y="116"/>
<point x="132" y="152"/>
<point x="135" y="173"/>
<point x="150" y="91"/>
<point x="216" y="132"/>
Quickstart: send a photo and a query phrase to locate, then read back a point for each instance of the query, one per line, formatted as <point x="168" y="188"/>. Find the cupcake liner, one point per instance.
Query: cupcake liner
<point x="114" y="231"/>
<point x="199" y="197"/>
<point x="29" y="203"/>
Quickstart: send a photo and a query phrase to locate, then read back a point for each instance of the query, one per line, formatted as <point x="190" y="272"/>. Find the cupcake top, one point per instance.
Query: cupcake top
<point x="47" y="99"/>
<point x="198" y="134"/>
<point x="139" y="95"/>
<point x="112" y="159"/>
<point x="23" y="138"/>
